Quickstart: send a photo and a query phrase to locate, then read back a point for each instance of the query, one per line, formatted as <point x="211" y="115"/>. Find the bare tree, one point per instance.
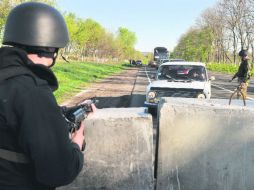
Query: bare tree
<point x="229" y="9"/>
<point x="250" y="36"/>
<point x="213" y="18"/>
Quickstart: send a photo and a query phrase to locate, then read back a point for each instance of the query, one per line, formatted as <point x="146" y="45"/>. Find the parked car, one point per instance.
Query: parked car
<point x="138" y="63"/>
<point x="178" y="79"/>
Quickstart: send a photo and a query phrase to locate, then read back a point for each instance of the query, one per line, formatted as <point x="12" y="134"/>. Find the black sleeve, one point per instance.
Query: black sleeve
<point x="246" y="72"/>
<point x="45" y="138"/>
<point x="235" y="75"/>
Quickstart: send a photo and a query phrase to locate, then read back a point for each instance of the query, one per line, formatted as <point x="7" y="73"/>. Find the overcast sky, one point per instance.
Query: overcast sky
<point x="155" y="23"/>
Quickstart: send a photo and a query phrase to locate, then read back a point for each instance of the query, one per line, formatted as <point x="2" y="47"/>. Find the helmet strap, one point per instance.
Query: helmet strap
<point x="54" y="59"/>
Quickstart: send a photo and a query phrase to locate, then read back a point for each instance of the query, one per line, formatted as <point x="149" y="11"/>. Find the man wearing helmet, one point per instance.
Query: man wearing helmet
<point x="35" y="149"/>
<point x="243" y="74"/>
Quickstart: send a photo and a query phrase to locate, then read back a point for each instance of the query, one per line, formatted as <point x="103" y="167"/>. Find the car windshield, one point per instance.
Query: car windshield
<point x="182" y="72"/>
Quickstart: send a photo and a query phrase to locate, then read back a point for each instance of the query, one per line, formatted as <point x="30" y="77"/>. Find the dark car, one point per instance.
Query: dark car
<point x="138" y="63"/>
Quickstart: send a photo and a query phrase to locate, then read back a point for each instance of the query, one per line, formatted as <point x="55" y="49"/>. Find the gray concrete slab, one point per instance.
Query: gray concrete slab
<point x="119" y="153"/>
<point x="205" y="145"/>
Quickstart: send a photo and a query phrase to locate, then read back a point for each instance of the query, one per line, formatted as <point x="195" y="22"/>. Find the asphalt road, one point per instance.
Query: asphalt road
<point x="222" y="88"/>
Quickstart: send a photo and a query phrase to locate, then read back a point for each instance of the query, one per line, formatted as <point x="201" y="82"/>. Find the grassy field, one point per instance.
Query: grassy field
<point x="76" y="75"/>
<point x="222" y="67"/>
<point x="226" y="68"/>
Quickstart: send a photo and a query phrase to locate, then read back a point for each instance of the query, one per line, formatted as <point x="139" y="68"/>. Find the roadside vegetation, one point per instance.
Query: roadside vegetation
<point x="75" y="76"/>
<point x="219" y="34"/>
<point x="225" y="68"/>
<point x="89" y="40"/>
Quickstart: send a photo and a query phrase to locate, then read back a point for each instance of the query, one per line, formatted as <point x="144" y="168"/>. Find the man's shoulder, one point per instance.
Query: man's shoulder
<point x="25" y="82"/>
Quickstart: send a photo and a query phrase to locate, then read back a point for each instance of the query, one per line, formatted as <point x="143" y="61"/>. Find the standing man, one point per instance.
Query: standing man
<point x="244" y="72"/>
<point x="36" y="152"/>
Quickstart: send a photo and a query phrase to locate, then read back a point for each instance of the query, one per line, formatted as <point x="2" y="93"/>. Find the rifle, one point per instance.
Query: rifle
<point x="75" y="115"/>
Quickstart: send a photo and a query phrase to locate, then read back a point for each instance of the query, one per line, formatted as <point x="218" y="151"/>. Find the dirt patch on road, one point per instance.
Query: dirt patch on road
<point x="114" y="91"/>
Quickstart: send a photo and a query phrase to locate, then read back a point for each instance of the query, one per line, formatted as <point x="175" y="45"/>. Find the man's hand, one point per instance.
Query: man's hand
<point x="93" y="109"/>
<point x="92" y="106"/>
<point x="231" y="79"/>
<point x="78" y="136"/>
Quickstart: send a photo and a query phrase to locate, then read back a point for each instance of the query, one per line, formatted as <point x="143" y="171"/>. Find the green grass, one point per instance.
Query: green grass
<point x="76" y="75"/>
<point x="226" y="68"/>
<point x="223" y="67"/>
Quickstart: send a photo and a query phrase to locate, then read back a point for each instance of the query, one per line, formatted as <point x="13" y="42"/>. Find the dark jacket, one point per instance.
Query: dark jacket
<point x="243" y="72"/>
<point x="31" y="123"/>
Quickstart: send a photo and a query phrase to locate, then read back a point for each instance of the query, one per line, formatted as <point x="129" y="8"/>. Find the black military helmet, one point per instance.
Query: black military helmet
<point x="35" y="24"/>
<point x="243" y="53"/>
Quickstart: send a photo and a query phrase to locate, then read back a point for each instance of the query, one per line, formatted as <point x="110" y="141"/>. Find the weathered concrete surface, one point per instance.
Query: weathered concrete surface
<point x="205" y="145"/>
<point x="119" y="151"/>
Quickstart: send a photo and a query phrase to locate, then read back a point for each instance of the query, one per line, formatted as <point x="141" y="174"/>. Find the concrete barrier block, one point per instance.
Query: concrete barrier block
<point x="205" y="145"/>
<point x="119" y="151"/>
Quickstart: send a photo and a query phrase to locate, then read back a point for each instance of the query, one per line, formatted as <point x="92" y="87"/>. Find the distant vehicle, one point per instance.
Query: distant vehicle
<point x="138" y="63"/>
<point x="160" y="53"/>
<point x="132" y="62"/>
<point x="152" y="64"/>
<point x="178" y="79"/>
<point x="176" y="60"/>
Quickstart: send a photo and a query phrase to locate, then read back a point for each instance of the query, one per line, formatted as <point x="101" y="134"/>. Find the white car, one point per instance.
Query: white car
<point x="178" y="79"/>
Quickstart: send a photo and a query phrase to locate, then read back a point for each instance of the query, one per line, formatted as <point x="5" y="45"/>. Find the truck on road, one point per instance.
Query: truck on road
<point x="159" y="53"/>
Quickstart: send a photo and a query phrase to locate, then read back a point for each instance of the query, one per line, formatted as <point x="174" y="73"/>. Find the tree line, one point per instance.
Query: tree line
<point x="219" y="34"/>
<point x="89" y="40"/>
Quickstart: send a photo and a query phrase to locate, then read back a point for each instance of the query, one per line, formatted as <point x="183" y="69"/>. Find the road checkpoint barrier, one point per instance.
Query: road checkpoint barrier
<point x="205" y="145"/>
<point x="119" y="153"/>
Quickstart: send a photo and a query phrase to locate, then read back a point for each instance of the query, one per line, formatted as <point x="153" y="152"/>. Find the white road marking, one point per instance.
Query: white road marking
<point x="228" y="90"/>
<point x="222" y="88"/>
<point x="147" y="76"/>
<point x="145" y="71"/>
